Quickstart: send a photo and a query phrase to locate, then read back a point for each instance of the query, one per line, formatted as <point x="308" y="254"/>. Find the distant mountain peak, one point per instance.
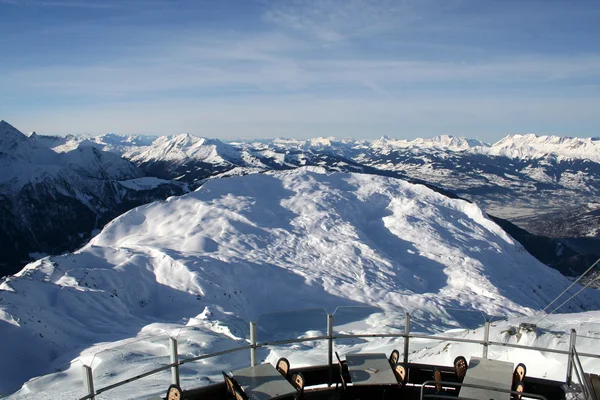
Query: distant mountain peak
<point x="16" y="146"/>
<point x="441" y="142"/>
<point x="185" y="146"/>
<point x="3" y="123"/>
<point x="7" y="129"/>
<point x="531" y="145"/>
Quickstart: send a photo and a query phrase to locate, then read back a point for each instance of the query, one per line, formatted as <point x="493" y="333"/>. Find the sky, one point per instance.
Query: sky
<point x="302" y="68"/>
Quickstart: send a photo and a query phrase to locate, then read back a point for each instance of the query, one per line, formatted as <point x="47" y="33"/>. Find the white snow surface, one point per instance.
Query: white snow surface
<point x="201" y="266"/>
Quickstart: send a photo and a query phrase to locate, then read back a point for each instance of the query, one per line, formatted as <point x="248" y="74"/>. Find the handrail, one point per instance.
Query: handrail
<point x="581" y="375"/>
<point x="289" y="341"/>
<point x="471" y="385"/>
<point x="210" y="355"/>
<point x="330" y="338"/>
<point x="135" y="378"/>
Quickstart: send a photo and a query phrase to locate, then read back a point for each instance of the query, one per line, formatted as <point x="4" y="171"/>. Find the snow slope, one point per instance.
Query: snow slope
<point x="241" y="246"/>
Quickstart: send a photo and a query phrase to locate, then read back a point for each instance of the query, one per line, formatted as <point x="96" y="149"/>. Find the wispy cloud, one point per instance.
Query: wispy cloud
<point x="336" y="20"/>
<point x="271" y="63"/>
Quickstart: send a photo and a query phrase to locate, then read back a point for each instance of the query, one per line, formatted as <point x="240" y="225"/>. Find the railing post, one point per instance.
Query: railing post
<point x="252" y="343"/>
<point x="88" y="381"/>
<point x="330" y="347"/>
<point x="570" y="359"/>
<point x="486" y="338"/>
<point x="406" y="333"/>
<point x="174" y="360"/>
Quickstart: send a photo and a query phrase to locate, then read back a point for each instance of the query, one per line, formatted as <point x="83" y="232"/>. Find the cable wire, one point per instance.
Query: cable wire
<point x="566" y="290"/>
<point x="580" y="290"/>
<point x="571" y="298"/>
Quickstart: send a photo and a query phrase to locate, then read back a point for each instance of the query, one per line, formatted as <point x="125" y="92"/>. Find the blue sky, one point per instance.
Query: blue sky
<point x="302" y="68"/>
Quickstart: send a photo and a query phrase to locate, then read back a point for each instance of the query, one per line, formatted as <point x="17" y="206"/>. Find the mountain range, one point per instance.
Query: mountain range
<point x="529" y="180"/>
<point x="525" y="172"/>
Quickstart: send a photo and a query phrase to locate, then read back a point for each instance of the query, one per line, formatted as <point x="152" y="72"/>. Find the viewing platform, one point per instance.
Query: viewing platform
<point x="369" y="353"/>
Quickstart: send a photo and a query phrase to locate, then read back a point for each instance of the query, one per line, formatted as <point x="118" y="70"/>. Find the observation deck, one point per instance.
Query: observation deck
<point x="364" y="339"/>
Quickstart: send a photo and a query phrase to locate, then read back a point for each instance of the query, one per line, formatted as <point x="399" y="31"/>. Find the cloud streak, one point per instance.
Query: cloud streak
<point x="337" y="20"/>
<point x="266" y="63"/>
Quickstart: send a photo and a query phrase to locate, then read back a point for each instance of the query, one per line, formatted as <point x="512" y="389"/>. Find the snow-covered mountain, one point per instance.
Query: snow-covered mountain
<point x="185" y="157"/>
<point x="52" y="201"/>
<point x="442" y="142"/>
<point x="544" y="174"/>
<point x="16" y="147"/>
<point x="241" y="246"/>
<point x="109" y="142"/>
<point x="532" y="146"/>
<point x="517" y="177"/>
<point x="520" y="174"/>
<point x="192" y="159"/>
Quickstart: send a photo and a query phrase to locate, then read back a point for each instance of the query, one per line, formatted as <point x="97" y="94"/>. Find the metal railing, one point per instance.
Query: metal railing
<point x="573" y="356"/>
<point x="581" y="376"/>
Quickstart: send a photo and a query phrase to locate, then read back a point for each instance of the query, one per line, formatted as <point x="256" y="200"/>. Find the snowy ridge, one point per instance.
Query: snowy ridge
<point x="519" y="169"/>
<point x="318" y="240"/>
<point x="534" y="146"/>
<point x="520" y="176"/>
<point x="17" y="147"/>
<point x="183" y="147"/>
<point x="29" y="159"/>
<point x="441" y="142"/>
<point x="111" y="142"/>
<point x="526" y="146"/>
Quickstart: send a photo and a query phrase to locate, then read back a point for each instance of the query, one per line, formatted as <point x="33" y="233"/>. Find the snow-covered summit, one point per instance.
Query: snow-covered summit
<point x="453" y="143"/>
<point x="17" y="147"/>
<point x="242" y="246"/>
<point x="35" y="158"/>
<point x="441" y="142"/>
<point x="534" y="146"/>
<point x="113" y="139"/>
<point x="318" y="143"/>
<point x="183" y="147"/>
